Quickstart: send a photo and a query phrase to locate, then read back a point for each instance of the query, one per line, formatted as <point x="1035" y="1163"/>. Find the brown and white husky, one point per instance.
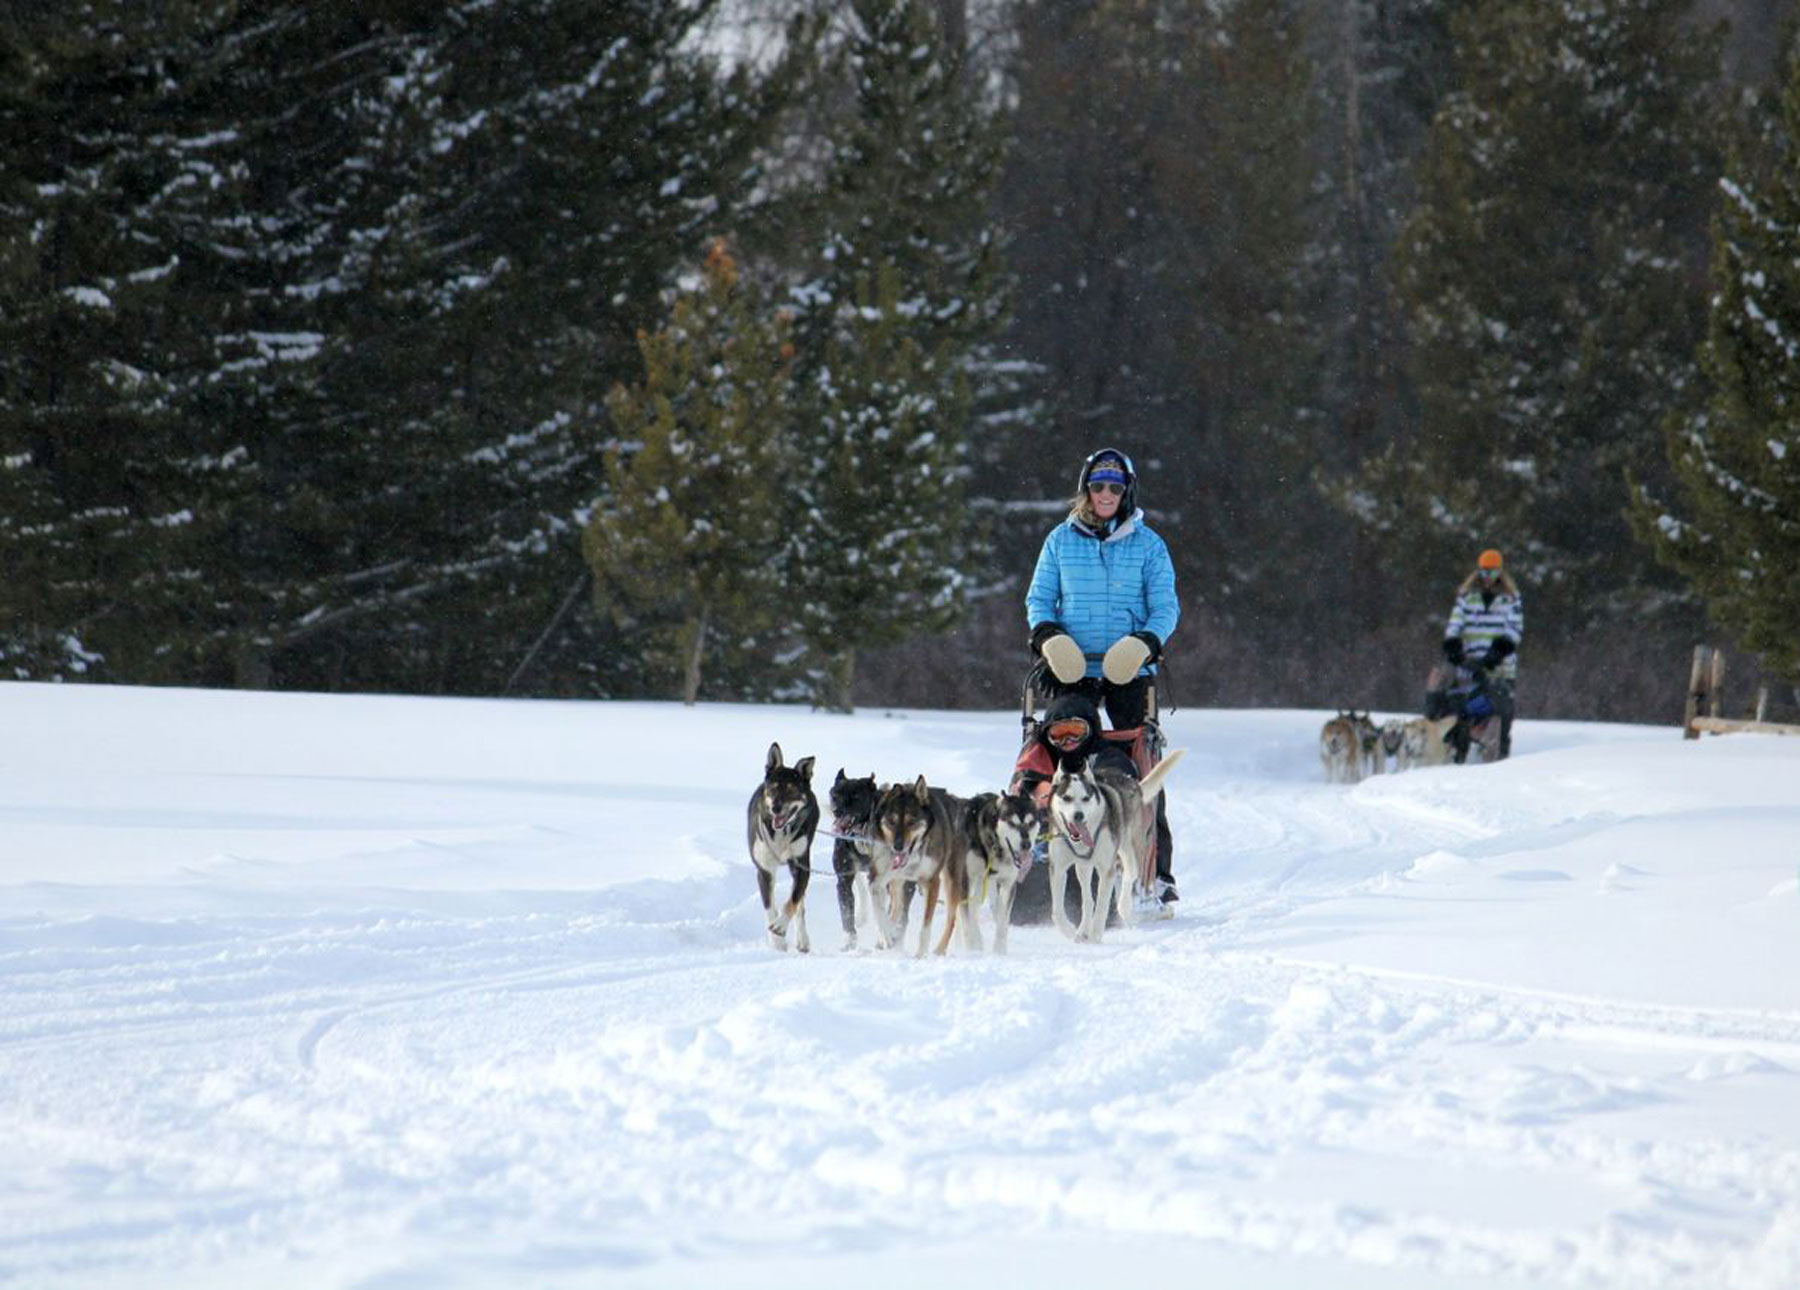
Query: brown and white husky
<point x="919" y="838"/>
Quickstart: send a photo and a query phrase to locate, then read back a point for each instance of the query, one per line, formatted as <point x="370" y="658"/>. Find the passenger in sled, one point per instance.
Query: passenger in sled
<point x="1100" y="607"/>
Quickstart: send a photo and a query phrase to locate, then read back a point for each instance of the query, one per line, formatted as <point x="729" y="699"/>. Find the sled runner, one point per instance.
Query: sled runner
<point x="1033" y="770"/>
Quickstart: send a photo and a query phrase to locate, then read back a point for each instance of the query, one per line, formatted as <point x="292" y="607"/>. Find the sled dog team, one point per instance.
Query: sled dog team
<point x="1468" y="698"/>
<point x="894" y="839"/>
<point x="1352" y="746"/>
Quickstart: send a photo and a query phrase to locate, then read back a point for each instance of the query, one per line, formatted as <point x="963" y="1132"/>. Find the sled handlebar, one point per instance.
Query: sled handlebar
<point x="1037" y="686"/>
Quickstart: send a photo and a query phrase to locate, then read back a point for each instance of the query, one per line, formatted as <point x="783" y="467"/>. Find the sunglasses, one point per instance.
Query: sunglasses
<point x="1068" y="734"/>
<point x="1117" y="490"/>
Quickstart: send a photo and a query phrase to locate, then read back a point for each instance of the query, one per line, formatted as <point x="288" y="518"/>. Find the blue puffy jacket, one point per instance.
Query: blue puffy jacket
<point x="1102" y="588"/>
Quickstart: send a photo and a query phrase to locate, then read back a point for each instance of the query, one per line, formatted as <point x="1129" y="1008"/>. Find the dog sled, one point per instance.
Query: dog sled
<point x="1463" y="691"/>
<point x="1034" y="769"/>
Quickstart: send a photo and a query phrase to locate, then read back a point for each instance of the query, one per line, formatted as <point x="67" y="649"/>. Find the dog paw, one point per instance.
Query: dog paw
<point x="777" y="941"/>
<point x="849" y="945"/>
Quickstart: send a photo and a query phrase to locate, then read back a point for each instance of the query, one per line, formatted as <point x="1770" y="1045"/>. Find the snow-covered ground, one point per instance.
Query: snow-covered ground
<point x="310" y="992"/>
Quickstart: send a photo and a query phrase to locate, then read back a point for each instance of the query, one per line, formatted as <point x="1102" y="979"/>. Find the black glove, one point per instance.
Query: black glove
<point x="1153" y="641"/>
<point x="1497" y="652"/>
<point x="1044" y="631"/>
<point x="1453" y="649"/>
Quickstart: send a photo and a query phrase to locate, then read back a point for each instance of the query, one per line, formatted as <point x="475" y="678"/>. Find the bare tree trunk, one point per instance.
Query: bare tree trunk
<point x="953" y="21"/>
<point x="562" y="611"/>
<point x="251" y="668"/>
<point x="843" y="680"/>
<point x="696" y="650"/>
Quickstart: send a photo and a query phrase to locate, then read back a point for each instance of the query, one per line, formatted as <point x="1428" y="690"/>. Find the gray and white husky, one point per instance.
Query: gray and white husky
<point x="1000" y="829"/>
<point x="919" y="838"/>
<point x="1100" y="828"/>
<point x="783" y="817"/>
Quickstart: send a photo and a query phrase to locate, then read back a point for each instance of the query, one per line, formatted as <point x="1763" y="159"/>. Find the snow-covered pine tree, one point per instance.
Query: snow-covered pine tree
<point x="301" y="94"/>
<point x="310" y="311"/>
<point x="687" y="538"/>
<point x="885" y="532"/>
<point x="1548" y="279"/>
<point x="1382" y="68"/>
<point x="912" y="164"/>
<point x="1735" y="532"/>
<point x="900" y="299"/>
<point x="129" y="338"/>
<point x="555" y="163"/>
<point x="1169" y="259"/>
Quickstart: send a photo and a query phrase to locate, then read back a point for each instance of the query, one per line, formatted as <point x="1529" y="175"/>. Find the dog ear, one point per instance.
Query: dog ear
<point x="840" y="777"/>
<point x="922" y="790"/>
<point x="774" y="762"/>
<point x="804" y="766"/>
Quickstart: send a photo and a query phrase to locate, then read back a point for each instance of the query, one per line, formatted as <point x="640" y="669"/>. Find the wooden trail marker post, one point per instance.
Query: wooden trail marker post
<point x="1706" y="687"/>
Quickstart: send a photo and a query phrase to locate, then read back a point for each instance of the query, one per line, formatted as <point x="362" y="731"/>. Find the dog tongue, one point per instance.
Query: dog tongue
<point x="899" y="859"/>
<point x="1078" y="831"/>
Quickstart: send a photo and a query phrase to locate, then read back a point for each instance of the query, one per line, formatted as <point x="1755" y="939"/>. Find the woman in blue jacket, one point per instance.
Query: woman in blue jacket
<point x="1102" y="604"/>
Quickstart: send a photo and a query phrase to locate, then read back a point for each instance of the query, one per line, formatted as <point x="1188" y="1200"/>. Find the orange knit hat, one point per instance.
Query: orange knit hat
<point x="1489" y="559"/>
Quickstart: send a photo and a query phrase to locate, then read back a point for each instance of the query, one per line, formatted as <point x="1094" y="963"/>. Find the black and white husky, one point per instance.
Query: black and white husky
<point x="1000" y="830"/>
<point x="1099" y="827"/>
<point x="853" y="853"/>
<point x="784" y="815"/>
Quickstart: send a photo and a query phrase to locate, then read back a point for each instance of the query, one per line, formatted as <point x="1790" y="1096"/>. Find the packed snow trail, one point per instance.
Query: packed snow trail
<point x="478" y="995"/>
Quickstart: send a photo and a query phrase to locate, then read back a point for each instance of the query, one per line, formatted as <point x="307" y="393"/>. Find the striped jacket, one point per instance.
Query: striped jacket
<point x="1478" y="618"/>
<point x="1100" y="589"/>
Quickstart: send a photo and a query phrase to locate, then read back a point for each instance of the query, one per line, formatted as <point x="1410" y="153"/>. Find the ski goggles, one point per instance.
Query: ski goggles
<point x="1068" y="734"/>
<point x="1106" y="486"/>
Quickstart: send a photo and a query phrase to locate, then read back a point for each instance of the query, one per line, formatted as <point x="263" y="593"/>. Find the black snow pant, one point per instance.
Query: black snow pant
<point x="1501" y="692"/>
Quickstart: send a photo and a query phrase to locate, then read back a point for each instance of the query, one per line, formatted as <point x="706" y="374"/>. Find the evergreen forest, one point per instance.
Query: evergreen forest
<point x="705" y="350"/>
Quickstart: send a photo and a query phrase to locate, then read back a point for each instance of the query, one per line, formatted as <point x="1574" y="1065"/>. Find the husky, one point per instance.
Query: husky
<point x="1393" y="744"/>
<point x="853" y="853"/>
<point x="784" y="815"/>
<point x="1368" y="738"/>
<point x="1340" y="749"/>
<point x="1000" y="829"/>
<point x="1101" y="827"/>
<point x="1427" y="741"/>
<point x="919" y="838"/>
